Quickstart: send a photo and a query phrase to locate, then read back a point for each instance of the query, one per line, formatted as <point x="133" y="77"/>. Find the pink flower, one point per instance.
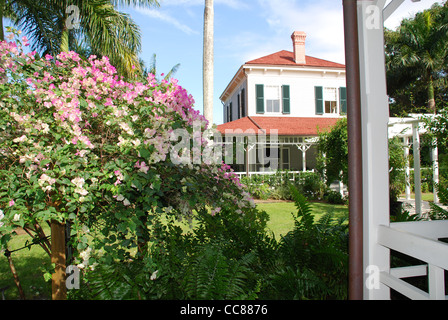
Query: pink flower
<point x="11" y="203"/>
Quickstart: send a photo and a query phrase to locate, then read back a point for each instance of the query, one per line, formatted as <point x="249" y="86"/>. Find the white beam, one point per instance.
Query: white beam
<point x="375" y="118"/>
<point x="391" y="7"/>
<point x="407" y="168"/>
<point x="435" y="170"/>
<point x="417" y="174"/>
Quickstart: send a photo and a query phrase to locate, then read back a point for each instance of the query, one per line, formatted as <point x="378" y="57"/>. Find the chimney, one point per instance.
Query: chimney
<point x="298" y="42"/>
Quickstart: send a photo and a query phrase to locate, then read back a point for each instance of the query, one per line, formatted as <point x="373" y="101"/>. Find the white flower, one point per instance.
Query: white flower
<point x="16" y="217"/>
<point x="45" y="128"/>
<point x="154" y="275"/>
<point x="125" y="127"/>
<point x="1" y="217"/>
<point x="126" y="202"/>
<point x="81" y="191"/>
<point x="20" y="139"/>
<point x="136" y="142"/>
<point x="120" y="197"/>
<point x="79" y="182"/>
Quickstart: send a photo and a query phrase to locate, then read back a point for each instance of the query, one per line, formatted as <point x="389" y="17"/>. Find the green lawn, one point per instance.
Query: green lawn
<point x="28" y="263"/>
<point x="281" y="220"/>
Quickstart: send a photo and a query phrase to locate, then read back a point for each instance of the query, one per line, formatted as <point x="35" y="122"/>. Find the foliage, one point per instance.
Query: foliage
<point x="416" y="62"/>
<point x="222" y="257"/>
<point x="276" y="186"/>
<point x="397" y="162"/>
<point x="333" y="149"/>
<point x="312" y="260"/>
<point x="82" y="146"/>
<point x="92" y="27"/>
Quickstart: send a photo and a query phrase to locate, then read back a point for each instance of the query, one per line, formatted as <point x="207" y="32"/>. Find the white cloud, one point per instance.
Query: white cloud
<point x="408" y="10"/>
<point x="165" y="17"/>
<point x="322" y="20"/>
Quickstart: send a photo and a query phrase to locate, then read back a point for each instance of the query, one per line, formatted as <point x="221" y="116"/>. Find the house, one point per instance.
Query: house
<point x="287" y="95"/>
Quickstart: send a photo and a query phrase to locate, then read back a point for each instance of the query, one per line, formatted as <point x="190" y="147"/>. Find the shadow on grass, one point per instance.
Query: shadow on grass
<point x="29" y="270"/>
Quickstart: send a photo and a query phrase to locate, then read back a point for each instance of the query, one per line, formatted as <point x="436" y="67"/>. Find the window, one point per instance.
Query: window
<point x="272" y="98"/>
<point x="330" y="98"/>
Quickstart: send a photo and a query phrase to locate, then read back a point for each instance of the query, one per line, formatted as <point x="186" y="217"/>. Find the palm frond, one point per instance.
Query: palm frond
<point x="113" y="34"/>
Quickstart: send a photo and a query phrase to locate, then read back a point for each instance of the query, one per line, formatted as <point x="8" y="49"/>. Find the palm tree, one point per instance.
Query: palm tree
<point x="52" y="26"/>
<point x="418" y="50"/>
<point x="208" y="61"/>
<point x="153" y="69"/>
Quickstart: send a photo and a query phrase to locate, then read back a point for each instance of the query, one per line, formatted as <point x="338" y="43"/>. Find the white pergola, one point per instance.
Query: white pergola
<point x="409" y="129"/>
<point x="379" y="236"/>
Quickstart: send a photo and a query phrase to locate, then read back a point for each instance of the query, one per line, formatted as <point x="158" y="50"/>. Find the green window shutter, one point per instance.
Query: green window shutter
<point x="319" y="92"/>
<point x="243" y="102"/>
<point x="286" y="99"/>
<point x="260" y="97"/>
<point x="231" y="111"/>
<point x="343" y="100"/>
<point x="239" y="106"/>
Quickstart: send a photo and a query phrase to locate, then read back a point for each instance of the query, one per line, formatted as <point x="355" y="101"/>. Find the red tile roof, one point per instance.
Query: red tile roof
<point x="286" y="126"/>
<point x="286" y="58"/>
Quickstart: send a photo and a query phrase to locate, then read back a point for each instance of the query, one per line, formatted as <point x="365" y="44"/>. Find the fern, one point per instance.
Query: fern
<point x="303" y="209"/>
<point x="442" y="192"/>
<point x="211" y="275"/>
<point x="437" y="212"/>
<point x="313" y="256"/>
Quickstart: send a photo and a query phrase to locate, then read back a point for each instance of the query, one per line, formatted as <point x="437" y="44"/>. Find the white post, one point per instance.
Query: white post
<point x="375" y="117"/>
<point x="304" y="160"/>
<point x="417" y="175"/>
<point x="341" y="185"/>
<point x="435" y="168"/>
<point x="407" y="168"/>
<point x="304" y="148"/>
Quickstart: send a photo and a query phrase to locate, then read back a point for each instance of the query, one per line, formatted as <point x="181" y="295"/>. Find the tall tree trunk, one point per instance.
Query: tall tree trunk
<point x="58" y="257"/>
<point x="208" y="61"/>
<point x="431" y="98"/>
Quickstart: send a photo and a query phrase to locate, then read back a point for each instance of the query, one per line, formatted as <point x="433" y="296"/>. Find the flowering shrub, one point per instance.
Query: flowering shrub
<point x="79" y="145"/>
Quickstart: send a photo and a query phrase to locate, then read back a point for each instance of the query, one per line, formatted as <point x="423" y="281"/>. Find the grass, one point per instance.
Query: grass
<point x="281" y="220"/>
<point x="426" y="196"/>
<point x="29" y="262"/>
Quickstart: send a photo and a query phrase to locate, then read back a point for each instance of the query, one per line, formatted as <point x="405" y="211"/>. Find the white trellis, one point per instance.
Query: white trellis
<point x="409" y="129"/>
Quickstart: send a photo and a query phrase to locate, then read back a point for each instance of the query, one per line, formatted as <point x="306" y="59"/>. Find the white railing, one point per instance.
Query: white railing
<point x="419" y="239"/>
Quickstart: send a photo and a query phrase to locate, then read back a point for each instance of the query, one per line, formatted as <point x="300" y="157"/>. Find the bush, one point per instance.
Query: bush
<point x="334" y="197"/>
<point x="81" y="146"/>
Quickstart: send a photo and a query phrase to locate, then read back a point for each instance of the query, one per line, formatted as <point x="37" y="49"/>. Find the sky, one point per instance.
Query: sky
<point x="244" y="30"/>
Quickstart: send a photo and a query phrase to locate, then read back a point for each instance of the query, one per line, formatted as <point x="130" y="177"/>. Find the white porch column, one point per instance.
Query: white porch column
<point x="375" y="116"/>
<point x="435" y="170"/>
<point x="407" y="168"/>
<point x="304" y="148"/>
<point x="417" y="175"/>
